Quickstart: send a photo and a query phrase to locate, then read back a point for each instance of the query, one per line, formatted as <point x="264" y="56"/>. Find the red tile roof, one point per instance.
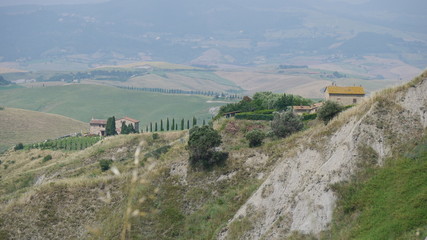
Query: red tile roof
<point x="128" y="119"/>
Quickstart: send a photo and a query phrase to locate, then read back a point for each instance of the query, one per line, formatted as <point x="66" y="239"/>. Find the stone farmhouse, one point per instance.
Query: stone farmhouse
<point x="97" y="126"/>
<point x="300" y="110"/>
<point x="344" y="95"/>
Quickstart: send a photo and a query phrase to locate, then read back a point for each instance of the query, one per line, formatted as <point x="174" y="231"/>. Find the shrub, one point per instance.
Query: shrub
<point x="155" y="136"/>
<point x="47" y="158"/>
<point x="328" y="111"/>
<point x="286" y="123"/>
<point x="310" y="116"/>
<point x="255" y="137"/>
<point x="19" y="146"/>
<point x="105" y="164"/>
<point x="201" y="145"/>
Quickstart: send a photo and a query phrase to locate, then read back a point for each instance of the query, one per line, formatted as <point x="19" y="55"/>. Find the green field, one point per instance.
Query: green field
<point x="82" y="102"/>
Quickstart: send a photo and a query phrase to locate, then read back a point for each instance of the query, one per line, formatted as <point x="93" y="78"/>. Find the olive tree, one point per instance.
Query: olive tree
<point x="286" y="123"/>
<point x="201" y="145"/>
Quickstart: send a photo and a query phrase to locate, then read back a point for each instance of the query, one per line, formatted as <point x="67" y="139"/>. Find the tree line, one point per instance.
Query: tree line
<point x="188" y="92"/>
<point x="173" y="125"/>
<point x="265" y="100"/>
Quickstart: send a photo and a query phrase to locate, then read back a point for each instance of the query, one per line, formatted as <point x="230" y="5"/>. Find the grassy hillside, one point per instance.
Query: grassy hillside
<point x="83" y="102"/>
<point x="385" y="203"/>
<point x="70" y="196"/>
<point x="18" y="125"/>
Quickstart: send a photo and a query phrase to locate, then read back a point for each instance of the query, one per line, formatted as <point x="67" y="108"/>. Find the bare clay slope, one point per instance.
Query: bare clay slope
<point x="296" y="196"/>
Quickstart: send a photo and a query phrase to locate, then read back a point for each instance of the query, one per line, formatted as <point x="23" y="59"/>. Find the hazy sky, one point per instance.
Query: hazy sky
<point x="47" y="2"/>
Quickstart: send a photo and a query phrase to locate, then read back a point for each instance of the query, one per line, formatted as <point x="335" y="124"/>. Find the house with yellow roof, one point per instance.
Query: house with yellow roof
<point x="344" y="95"/>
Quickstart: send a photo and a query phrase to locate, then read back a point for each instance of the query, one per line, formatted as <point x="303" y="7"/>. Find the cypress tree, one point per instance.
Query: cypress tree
<point x="182" y="124"/>
<point x="130" y="128"/>
<point x="173" y="124"/>
<point x="176" y="126"/>
<point x="167" y="124"/>
<point x="124" y="129"/>
<point x="161" y="125"/>
<point x="110" y="128"/>
<point x="146" y="128"/>
<point x="194" y="121"/>
<point x="155" y="128"/>
<point x="151" y="127"/>
<point x="204" y="123"/>
<point x="188" y="124"/>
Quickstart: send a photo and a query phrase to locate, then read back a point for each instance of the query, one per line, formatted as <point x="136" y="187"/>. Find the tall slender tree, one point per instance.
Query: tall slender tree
<point x="182" y="124"/>
<point x="155" y="127"/>
<point x="161" y="125"/>
<point x="188" y="124"/>
<point x="194" y="121"/>
<point x="173" y="124"/>
<point x="110" y="128"/>
<point x="167" y="124"/>
<point x="151" y="127"/>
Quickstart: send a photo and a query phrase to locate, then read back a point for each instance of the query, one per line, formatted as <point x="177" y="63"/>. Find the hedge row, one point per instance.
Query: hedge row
<point x="252" y="116"/>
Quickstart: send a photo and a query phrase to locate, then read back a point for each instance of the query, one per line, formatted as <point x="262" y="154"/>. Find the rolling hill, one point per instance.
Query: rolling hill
<point x="18" y="125"/>
<point x="327" y="182"/>
<point x="84" y="101"/>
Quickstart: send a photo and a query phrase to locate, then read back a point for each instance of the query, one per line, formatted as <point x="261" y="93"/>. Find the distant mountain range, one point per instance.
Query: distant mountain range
<point x="214" y="32"/>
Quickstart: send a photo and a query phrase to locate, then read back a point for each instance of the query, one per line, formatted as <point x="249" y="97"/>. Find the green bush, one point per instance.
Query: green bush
<point x="286" y="123"/>
<point x="328" y="111"/>
<point x="266" y="115"/>
<point x="307" y="117"/>
<point x="105" y="164"/>
<point x="201" y="145"/>
<point x="47" y="158"/>
<point x="255" y="138"/>
<point x="19" y="146"/>
<point x="155" y="136"/>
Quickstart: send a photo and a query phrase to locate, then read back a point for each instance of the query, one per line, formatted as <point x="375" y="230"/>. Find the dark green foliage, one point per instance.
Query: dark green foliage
<point x="47" y="158"/>
<point x="194" y="121"/>
<point x="155" y="127"/>
<point x="19" y="146"/>
<point x="1" y="108"/>
<point x="4" y="82"/>
<point x="131" y="129"/>
<point x="265" y="100"/>
<point x="311" y="116"/>
<point x="286" y="123"/>
<point x="182" y="124"/>
<point x="105" y="164"/>
<point x="151" y="127"/>
<point x="161" y="125"/>
<point x="188" y="124"/>
<point x="155" y="136"/>
<point x="328" y="111"/>
<point x="146" y="128"/>
<point x="167" y="124"/>
<point x="173" y="124"/>
<point x="201" y="145"/>
<point x="124" y="129"/>
<point x="255" y="137"/>
<point x="110" y="128"/>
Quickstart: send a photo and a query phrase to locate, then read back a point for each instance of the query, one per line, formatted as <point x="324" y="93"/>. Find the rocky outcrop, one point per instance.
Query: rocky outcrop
<point x="297" y="196"/>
